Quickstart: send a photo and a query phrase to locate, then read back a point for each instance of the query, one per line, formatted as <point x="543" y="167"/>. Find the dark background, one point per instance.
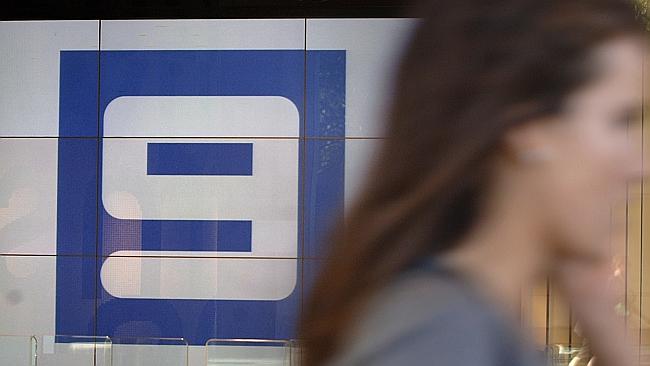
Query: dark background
<point x="200" y="9"/>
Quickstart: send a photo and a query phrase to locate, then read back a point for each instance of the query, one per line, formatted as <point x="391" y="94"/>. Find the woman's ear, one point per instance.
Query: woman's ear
<point x="531" y="142"/>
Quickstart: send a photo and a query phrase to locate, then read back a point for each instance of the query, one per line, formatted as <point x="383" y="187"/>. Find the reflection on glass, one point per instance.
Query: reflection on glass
<point x="141" y="351"/>
<point x="54" y="350"/>
<point x="231" y="352"/>
<point x="18" y="350"/>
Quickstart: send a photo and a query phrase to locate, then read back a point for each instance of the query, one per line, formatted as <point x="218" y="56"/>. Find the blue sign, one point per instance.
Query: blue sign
<point x="99" y="242"/>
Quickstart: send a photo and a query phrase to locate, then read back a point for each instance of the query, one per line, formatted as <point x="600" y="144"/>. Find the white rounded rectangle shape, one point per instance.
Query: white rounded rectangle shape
<point x="201" y="116"/>
<point x="163" y="275"/>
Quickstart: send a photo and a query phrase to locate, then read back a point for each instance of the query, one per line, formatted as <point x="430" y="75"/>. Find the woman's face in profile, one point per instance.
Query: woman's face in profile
<point x="593" y="151"/>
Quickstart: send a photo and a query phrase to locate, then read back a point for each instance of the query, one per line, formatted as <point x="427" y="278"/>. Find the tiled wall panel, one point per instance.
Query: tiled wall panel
<point x="176" y="178"/>
<point x="30" y="72"/>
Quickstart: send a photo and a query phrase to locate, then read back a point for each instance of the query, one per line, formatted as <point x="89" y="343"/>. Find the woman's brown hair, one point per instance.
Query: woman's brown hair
<point x="471" y="71"/>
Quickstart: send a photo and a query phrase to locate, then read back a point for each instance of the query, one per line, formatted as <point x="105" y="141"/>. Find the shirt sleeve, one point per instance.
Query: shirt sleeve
<point x="457" y="339"/>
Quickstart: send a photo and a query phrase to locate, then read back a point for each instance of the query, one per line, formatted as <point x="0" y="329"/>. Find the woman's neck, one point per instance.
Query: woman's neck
<point x="503" y="255"/>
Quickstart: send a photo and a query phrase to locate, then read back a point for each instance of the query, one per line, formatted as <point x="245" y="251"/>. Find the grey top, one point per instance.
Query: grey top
<point x="432" y="316"/>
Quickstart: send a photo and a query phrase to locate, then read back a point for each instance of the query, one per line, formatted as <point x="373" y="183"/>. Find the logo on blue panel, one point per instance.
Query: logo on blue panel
<point x="180" y="189"/>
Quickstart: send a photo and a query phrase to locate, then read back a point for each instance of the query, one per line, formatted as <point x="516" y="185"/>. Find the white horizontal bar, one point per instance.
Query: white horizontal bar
<point x="201" y="116"/>
<point x="155" y="277"/>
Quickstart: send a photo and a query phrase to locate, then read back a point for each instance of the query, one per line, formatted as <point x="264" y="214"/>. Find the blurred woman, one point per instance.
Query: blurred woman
<point x="509" y="140"/>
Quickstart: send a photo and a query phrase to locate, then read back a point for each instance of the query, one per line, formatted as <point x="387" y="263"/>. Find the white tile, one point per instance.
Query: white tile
<point x="27" y="295"/>
<point x="203" y="34"/>
<point x="28" y="191"/>
<point x="359" y="157"/>
<point x="373" y="47"/>
<point x="29" y="72"/>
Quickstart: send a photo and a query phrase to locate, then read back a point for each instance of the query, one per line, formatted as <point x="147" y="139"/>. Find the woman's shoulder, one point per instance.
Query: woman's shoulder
<point x="424" y="314"/>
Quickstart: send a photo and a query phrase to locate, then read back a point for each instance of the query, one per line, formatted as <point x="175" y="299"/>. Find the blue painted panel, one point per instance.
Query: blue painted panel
<point x="177" y="73"/>
<point x="76" y="295"/>
<point x="78" y="94"/>
<point x="200" y="159"/>
<point x="325" y="93"/>
<point x="178" y="235"/>
<point x="76" y="232"/>
<point x="324" y="196"/>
